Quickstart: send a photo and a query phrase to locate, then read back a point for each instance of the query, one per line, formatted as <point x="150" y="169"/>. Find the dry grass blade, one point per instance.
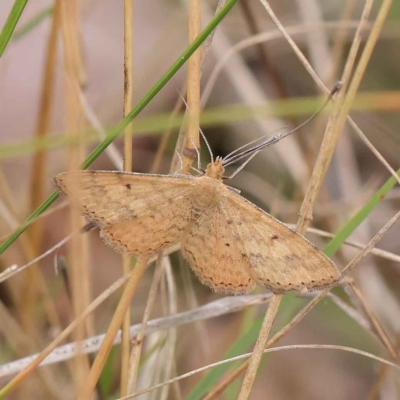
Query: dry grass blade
<point x="372" y="243"/>
<point x="42" y="128"/>
<point x="63" y="335"/>
<point x="137" y="341"/>
<point x="376" y="324"/>
<point x="318" y="175"/>
<point x="374" y="150"/>
<point x="274" y="349"/>
<point x="113" y="328"/>
<point x="214" y="309"/>
<point x="375" y="251"/>
<point x="170" y="365"/>
<point x="14" y="269"/>
<point x="295" y="30"/>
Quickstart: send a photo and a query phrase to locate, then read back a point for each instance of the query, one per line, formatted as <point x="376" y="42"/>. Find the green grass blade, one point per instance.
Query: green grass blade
<point x="213" y="376"/>
<point x="11" y="23"/>
<point x="155" y="124"/>
<point x="127" y="120"/>
<point x="334" y="245"/>
<point x="32" y="23"/>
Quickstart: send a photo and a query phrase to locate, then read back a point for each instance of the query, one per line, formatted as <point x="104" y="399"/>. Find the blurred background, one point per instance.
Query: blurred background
<point x="262" y="73"/>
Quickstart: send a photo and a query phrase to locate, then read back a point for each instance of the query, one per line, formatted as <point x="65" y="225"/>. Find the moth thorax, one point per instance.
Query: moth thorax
<point x="215" y="169"/>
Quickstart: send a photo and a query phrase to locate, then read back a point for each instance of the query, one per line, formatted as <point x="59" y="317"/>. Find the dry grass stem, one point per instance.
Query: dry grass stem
<point x="169" y="367"/>
<point x="125" y="337"/>
<point x="127" y="165"/>
<point x="323" y="161"/>
<point x="340" y="40"/>
<point x="374" y="150"/>
<point x="112" y="150"/>
<point x="213" y="309"/>
<point x="113" y="328"/>
<point x="15" y="225"/>
<point x="375" y="323"/>
<point x="275" y="34"/>
<point x="14" y="269"/>
<point x="193" y="88"/>
<point x="38" y="174"/>
<point x="31" y="367"/>
<point x="9" y="213"/>
<point x="180" y="143"/>
<point x="333" y="130"/>
<point x="371" y="244"/>
<point x="137" y="341"/>
<point x="353" y="50"/>
<point x="74" y="122"/>
<point x="271" y="350"/>
<point x="375" y="251"/>
<point x="193" y="303"/>
<point x="259" y="347"/>
<point x="270" y="69"/>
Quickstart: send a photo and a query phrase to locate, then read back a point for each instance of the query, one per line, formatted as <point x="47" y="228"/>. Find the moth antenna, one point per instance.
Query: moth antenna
<point x="236" y="157"/>
<point x="199" y="171"/>
<point x="242" y="166"/>
<point x="198" y="154"/>
<point x="228" y="156"/>
<point x="207" y="144"/>
<point x="200" y="130"/>
<point x="180" y="160"/>
<point x="230" y="159"/>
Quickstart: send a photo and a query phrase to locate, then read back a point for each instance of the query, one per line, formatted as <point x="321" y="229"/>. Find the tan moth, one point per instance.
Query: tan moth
<point x="229" y="242"/>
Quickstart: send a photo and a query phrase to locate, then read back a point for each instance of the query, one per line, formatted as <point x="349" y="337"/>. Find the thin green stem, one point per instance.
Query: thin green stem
<point x="11" y="23"/>
<point x="32" y="23"/>
<point x="126" y="121"/>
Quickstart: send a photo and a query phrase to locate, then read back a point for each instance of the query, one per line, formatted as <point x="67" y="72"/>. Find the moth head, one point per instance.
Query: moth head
<point x="215" y="169"/>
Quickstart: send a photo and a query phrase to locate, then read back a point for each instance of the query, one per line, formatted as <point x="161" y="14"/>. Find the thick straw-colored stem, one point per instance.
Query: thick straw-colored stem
<point x="74" y="120"/>
<point x="128" y="105"/>
<point x="192" y="142"/>
<point x="259" y="347"/>
<point x="38" y="176"/>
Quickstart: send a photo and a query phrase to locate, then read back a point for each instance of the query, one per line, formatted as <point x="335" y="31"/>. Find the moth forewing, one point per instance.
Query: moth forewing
<point x="281" y="259"/>
<point x="108" y="197"/>
<point x="228" y="241"/>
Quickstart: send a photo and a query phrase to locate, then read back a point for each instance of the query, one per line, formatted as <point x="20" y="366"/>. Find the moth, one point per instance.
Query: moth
<point x="230" y="243"/>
